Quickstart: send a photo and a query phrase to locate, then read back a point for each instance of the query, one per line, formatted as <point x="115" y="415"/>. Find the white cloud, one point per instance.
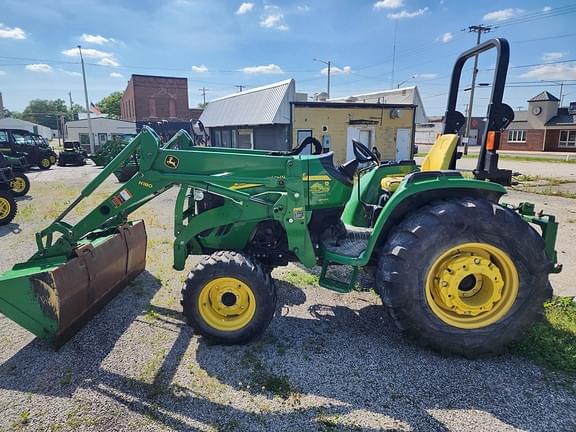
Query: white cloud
<point x="88" y="53"/>
<point x="406" y="14"/>
<point x="388" y="4"/>
<point x="446" y="37"/>
<point x="2" y="73"/>
<point x="264" y="69"/>
<point x="39" y="67"/>
<point x="564" y="71"/>
<point x="426" y="76"/>
<point x="245" y="8"/>
<point x="303" y="8"/>
<point x="503" y="14"/>
<point x="273" y="19"/>
<point x="200" y="68"/>
<point x="116" y="75"/>
<point x="546" y="9"/>
<point x="552" y="56"/>
<point x="108" y="61"/>
<point x="94" y="39"/>
<point x="71" y="73"/>
<point x="335" y="70"/>
<point x="11" y="32"/>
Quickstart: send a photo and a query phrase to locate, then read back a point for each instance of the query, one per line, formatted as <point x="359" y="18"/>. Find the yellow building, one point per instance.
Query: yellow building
<point x="389" y="128"/>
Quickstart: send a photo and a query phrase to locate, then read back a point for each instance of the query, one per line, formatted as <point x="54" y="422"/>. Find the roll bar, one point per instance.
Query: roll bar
<point x="499" y="115"/>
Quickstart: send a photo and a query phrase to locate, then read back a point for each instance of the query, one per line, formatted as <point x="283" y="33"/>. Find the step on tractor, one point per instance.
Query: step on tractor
<point x="22" y="143"/>
<point x="456" y="269"/>
<point x="73" y="154"/>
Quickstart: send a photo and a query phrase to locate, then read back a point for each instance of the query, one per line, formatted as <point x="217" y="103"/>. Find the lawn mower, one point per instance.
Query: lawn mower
<point x="73" y="154"/>
<point x="457" y="270"/>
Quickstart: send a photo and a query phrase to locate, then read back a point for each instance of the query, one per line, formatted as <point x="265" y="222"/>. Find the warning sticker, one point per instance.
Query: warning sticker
<point x="121" y="198"/>
<point x="298" y="212"/>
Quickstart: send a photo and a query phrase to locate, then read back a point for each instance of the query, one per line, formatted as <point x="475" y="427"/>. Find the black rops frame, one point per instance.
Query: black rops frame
<point x="499" y="115"/>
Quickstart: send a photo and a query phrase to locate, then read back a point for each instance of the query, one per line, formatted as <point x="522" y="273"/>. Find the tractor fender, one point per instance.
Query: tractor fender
<point x="421" y="189"/>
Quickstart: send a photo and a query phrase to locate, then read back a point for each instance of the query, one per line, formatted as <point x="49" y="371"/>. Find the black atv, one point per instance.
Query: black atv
<point x="18" y="142"/>
<point x="73" y="154"/>
<point x="7" y="202"/>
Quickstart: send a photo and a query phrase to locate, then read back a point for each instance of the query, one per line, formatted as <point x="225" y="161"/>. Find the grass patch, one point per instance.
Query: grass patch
<point x="262" y="378"/>
<point x="552" y="343"/>
<point x="299" y="278"/>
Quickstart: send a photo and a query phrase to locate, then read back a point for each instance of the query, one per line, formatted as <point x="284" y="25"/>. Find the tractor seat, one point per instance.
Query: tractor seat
<point x="437" y="159"/>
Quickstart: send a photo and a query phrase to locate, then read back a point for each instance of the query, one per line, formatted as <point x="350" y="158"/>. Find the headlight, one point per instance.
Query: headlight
<point x="198" y="195"/>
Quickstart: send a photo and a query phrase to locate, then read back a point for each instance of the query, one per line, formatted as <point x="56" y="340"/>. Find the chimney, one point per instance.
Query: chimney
<point x="1" y="107"/>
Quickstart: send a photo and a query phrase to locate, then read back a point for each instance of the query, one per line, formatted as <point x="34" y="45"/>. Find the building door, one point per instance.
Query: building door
<point x="362" y="134"/>
<point x="102" y="138"/>
<point x="403" y="143"/>
<point x="301" y="135"/>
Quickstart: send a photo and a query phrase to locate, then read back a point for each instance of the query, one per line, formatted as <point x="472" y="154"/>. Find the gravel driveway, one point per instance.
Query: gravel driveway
<point x="328" y="361"/>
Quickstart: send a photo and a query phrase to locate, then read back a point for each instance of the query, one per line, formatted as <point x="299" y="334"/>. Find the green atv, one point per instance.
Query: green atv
<point x="456" y="269"/>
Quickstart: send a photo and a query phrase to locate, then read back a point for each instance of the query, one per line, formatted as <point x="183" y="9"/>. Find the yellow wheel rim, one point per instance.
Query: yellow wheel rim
<point x="472" y="285"/>
<point x="45" y="163"/>
<point x="5" y="208"/>
<point x="18" y="184"/>
<point x="227" y="304"/>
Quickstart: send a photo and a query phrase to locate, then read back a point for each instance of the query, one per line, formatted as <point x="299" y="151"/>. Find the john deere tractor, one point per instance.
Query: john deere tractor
<point x="456" y="268"/>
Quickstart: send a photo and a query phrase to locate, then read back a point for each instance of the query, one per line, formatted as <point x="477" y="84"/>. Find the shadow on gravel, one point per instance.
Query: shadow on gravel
<point x="11" y="228"/>
<point x="354" y="360"/>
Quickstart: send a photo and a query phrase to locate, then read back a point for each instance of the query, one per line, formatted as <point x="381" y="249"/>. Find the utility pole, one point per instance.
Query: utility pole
<point x="90" y="134"/>
<point x="203" y="90"/>
<point x="240" y="87"/>
<point x="478" y="29"/>
<point x="70" y="97"/>
<point x="329" y="64"/>
<point x="394" y="54"/>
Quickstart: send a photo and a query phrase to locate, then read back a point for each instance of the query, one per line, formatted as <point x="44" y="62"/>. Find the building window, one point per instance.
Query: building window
<point x="301" y="135"/>
<point x="217" y="139"/>
<point x="226" y="138"/>
<point x="84" y="138"/>
<point x="102" y="138"/>
<point x="245" y="139"/>
<point x="516" y="136"/>
<point x="567" y="139"/>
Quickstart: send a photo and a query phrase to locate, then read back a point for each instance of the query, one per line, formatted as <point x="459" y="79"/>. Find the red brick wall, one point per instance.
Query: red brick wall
<point x="552" y="138"/>
<point x="160" y="98"/>
<point x="126" y="107"/>
<point x="534" y="140"/>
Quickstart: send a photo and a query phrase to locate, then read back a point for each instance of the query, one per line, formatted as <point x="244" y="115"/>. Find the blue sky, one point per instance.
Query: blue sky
<point x="220" y="44"/>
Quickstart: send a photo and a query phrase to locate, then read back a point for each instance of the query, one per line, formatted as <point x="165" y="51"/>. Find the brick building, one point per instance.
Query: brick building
<point x="545" y="126"/>
<point x="159" y="102"/>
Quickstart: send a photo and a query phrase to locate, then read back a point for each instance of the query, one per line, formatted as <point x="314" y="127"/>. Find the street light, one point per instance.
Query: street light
<point x="405" y="81"/>
<point x="329" y="64"/>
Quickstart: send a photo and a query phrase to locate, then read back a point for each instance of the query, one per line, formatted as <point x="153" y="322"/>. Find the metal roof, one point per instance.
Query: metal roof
<point x="260" y="106"/>
<point x="406" y="95"/>
<point x="544" y="96"/>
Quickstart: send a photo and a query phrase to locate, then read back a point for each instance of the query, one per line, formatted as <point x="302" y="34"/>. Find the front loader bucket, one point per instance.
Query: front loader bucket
<point x="54" y="297"/>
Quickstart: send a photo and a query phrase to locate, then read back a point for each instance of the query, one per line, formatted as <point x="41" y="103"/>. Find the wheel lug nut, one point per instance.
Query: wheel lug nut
<point x="476" y="260"/>
<point x="444" y="283"/>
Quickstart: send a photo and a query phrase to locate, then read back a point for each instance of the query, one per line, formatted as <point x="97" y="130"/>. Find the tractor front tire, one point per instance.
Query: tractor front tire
<point x="229" y="298"/>
<point x="20" y="185"/>
<point x="464" y="276"/>
<point x="8" y="207"/>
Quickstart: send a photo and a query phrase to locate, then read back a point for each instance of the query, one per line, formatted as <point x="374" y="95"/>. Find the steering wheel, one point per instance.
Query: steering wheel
<point x="307" y="141"/>
<point x="363" y="154"/>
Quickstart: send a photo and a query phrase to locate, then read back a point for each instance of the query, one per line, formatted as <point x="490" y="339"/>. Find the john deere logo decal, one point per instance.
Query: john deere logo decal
<point x="171" y="162"/>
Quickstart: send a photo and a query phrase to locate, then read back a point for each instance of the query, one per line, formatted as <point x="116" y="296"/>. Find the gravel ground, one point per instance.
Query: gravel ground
<point x="327" y="362"/>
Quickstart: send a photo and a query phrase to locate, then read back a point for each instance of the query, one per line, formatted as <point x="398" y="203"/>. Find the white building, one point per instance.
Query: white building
<point x="104" y="129"/>
<point x="12" y="123"/>
<point x="406" y="95"/>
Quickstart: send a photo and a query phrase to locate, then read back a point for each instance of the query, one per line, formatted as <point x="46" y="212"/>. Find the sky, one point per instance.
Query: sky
<point x="219" y="45"/>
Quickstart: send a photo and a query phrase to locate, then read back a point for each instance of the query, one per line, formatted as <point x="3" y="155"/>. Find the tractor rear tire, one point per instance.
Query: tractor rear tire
<point x="464" y="276"/>
<point x="229" y="298"/>
<point x="20" y="185"/>
<point x="8" y="207"/>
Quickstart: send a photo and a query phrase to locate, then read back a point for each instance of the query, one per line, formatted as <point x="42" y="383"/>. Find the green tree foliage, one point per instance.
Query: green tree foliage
<point x="45" y="112"/>
<point x="111" y="104"/>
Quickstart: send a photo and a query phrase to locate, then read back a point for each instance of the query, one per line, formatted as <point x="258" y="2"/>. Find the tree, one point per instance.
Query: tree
<point x="45" y="112"/>
<point x="111" y="104"/>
